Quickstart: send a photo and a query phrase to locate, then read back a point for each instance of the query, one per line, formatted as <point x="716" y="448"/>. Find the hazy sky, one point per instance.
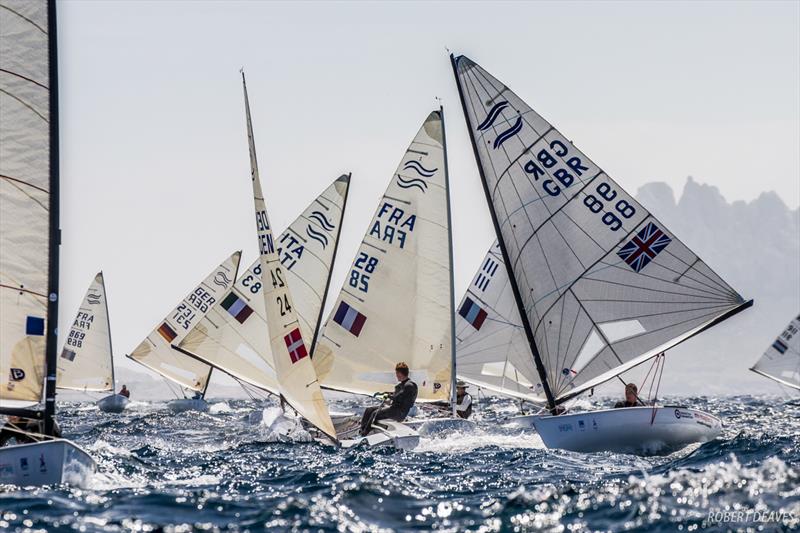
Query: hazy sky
<point x="155" y="171"/>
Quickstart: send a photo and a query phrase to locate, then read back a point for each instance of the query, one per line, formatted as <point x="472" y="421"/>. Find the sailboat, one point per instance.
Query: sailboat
<point x="600" y="284"/>
<point x="155" y="350"/>
<point x="86" y="362"/>
<point x="492" y="351"/>
<point x="297" y="380"/>
<point x="781" y="361"/>
<point x="397" y="300"/>
<point x="231" y="337"/>
<point x="29" y="247"/>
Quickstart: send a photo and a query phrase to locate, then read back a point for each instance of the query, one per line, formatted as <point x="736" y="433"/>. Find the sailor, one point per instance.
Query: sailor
<point x="124" y="391"/>
<point x="463" y="400"/>
<point x="403" y="398"/>
<point x="631" y="397"/>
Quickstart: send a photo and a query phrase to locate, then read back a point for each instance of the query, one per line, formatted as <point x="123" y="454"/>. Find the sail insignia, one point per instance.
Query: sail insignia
<point x="781" y="360"/>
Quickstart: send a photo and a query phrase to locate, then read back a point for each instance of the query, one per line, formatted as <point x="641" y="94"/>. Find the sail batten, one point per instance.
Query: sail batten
<point x="599" y="281"/>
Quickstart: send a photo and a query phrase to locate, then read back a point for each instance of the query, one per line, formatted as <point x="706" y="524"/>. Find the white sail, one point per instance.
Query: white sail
<point x="603" y="285"/>
<point x="25" y="198"/>
<point x="155" y="351"/>
<point x="232" y="336"/>
<point x="781" y="361"/>
<point x="293" y="367"/>
<point x="491" y="347"/>
<point x="395" y="304"/>
<point x="86" y="361"/>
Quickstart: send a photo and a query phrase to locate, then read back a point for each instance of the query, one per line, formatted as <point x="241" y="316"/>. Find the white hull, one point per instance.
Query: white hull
<point x="113" y="403"/>
<point x="437" y="426"/>
<point x="188" y="404"/>
<point x="45" y="463"/>
<point x="629" y="430"/>
<point x="386" y="433"/>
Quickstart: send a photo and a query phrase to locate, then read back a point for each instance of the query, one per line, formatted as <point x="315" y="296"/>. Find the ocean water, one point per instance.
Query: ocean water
<point x="217" y="471"/>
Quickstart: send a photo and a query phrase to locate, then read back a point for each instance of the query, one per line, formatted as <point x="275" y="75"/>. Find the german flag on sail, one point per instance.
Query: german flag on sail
<point x="472" y="313"/>
<point x="237" y="307"/>
<point x="167" y="332"/>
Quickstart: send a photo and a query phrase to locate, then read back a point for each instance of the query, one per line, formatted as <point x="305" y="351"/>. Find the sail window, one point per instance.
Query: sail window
<point x="594" y="343"/>
<point x="622" y="329"/>
<point x="501" y="369"/>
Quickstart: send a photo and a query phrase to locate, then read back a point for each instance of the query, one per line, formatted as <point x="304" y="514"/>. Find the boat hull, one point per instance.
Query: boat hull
<point x="188" y="404"/>
<point x="113" y="403"/>
<point x="386" y="433"/>
<point x="633" y="430"/>
<point x="45" y="463"/>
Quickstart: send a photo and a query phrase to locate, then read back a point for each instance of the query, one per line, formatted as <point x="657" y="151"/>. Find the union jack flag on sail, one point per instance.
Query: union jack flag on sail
<point x="644" y="247"/>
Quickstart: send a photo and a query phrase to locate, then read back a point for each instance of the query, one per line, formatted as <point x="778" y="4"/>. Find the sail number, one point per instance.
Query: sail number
<point x="265" y="244"/>
<point x="200" y="300"/>
<point x="362" y="269"/>
<point x="611" y="218"/>
<point x="76" y="338"/>
<point x="253" y="281"/>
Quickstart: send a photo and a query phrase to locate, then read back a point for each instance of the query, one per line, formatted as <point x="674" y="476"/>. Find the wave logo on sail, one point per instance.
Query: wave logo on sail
<point x="319" y="217"/>
<point x="317" y="236"/>
<point x="644" y="247"/>
<point x="490" y="119"/>
<point x="93" y="299"/>
<point x="222" y="279"/>
<point x="417" y="167"/>
<point x="411" y="183"/>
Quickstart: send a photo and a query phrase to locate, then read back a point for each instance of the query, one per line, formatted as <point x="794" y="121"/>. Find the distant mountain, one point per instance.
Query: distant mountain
<point x="755" y="247"/>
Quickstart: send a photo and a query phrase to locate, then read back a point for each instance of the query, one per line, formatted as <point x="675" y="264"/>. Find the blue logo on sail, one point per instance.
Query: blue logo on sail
<point x="417" y="167"/>
<point x="412" y="183"/>
<point x="492" y="116"/>
<point x="317" y="236"/>
<point x="319" y="217"/>
<point x="490" y="119"/>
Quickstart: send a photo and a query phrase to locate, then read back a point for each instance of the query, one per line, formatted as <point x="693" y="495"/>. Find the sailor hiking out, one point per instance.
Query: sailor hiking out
<point x="402" y="400"/>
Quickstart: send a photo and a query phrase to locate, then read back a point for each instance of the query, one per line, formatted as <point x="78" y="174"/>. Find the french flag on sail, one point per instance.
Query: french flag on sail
<point x="472" y="313"/>
<point x="237" y="307"/>
<point x="349" y="318"/>
<point x="295" y="345"/>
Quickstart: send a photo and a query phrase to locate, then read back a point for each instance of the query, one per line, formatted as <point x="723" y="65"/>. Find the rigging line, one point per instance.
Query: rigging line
<point x="561" y="360"/>
<point x="663" y="362"/>
<point x="3" y="176"/>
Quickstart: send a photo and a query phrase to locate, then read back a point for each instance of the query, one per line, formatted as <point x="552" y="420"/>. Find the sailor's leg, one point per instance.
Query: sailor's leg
<point x="366" y="420"/>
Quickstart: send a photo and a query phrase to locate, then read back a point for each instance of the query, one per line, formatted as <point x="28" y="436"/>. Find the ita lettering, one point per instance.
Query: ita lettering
<point x="557" y="165"/>
<point x="290" y="249"/>
<point x="393" y="225"/>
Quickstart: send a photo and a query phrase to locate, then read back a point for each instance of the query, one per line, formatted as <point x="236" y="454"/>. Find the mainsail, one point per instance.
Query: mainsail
<point x="781" y="361"/>
<point x="86" y="360"/>
<point x="492" y="351"/>
<point x="232" y="336"/>
<point x="601" y="285"/>
<point x="296" y="376"/>
<point x="29" y="233"/>
<point x="155" y="351"/>
<point x="395" y="304"/>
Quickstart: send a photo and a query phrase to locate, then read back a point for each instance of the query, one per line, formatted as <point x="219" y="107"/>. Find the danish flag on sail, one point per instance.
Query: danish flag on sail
<point x="294" y="343"/>
<point x="644" y="247"/>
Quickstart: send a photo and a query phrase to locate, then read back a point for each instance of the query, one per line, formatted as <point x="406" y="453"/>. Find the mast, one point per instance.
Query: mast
<point x="453" y="376"/>
<point x="330" y="271"/>
<point x="55" y="230"/>
<point x="551" y="403"/>
<point x="110" y="346"/>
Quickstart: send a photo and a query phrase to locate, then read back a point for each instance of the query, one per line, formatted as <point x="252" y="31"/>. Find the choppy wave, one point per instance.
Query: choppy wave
<point x="228" y="470"/>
